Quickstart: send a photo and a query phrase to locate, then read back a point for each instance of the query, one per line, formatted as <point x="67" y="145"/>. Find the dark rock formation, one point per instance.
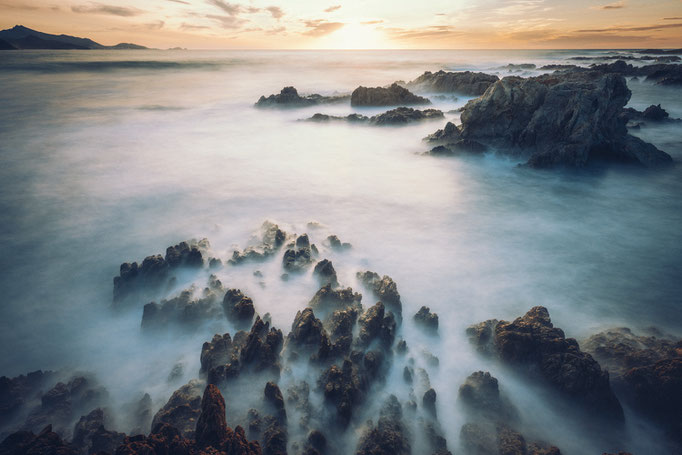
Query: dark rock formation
<point x="90" y="436"/>
<point x="308" y="336"/>
<point x="155" y="271"/>
<point x="182" y="409"/>
<point x="269" y="241"/>
<point x="394" y="95"/>
<point x="337" y="245"/>
<point x="325" y="273"/>
<point x="385" y="289"/>
<point x="661" y="74"/>
<point x="449" y="134"/>
<point x="340" y="324"/>
<point x="397" y="116"/>
<point x="426" y="319"/>
<point x="185" y="310"/>
<point x="488" y="439"/>
<point x="289" y="97"/>
<point x="429" y="401"/>
<point x="466" y="82"/>
<point x="326" y="300"/>
<point x="344" y="388"/>
<point x="47" y="442"/>
<point x="480" y="395"/>
<point x="238" y="307"/>
<point x="532" y="344"/>
<point x="273" y="398"/>
<point x="17" y="392"/>
<point x="562" y="119"/>
<point x="299" y="256"/>
<point x="376" y="325"/>
<point x="211" y="426"/>
<point x="390" y="436"/>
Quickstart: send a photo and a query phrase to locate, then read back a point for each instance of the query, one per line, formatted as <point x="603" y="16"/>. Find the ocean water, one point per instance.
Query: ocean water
<point x="108" y="157"/>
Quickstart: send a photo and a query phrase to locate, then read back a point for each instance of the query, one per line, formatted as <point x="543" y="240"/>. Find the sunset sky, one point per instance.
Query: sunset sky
<point x="346" y="24"/>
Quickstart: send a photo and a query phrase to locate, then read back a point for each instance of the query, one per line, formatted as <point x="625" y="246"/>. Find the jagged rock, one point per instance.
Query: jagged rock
<point x="327" y="299"/>
<point x="274" y="437"/>
<point x="273" y="397"/>
<point x="459" y="147"/>
<point x="408" y="374"/>
<point x="385" y="289"/>
<point x="298" y="398"/>
<point x="465" y="82"/>
<point x="324" y="270"/>
<point x="211" y="426"/>
<point x="185" y="310"/>
<point x="662" y="74"/>
<point x="429" y="401"/>
<point x="267" y="244"/>
<point x="343" y="387"/>
<point x="390" y="436"/>
<point x="90" y="436"/>
<point x="375" y="324"/>
<point x="299" y="257"/>
<point x="449" y="134"/>
<point x="340" y="324"/>
<point x="426" y="319"/>
<point x="480" y="394"/>
<point x="336" y="244"/>
<point x="308" y="335"/>
<point x="532" y="344"/>
<point x="182" y="409"/>
<point x="397" y="116"/>
<point x="238" y="307"/>
<point x="17" y="392"/>
<point x="401" y="347"/>
<point x="561" y="119"/>
<point x="520" y="66"/>
<point x="141" y="418"/>
<point x="289" y="97"/>
<point x="488" y="439"/>
<point x="655" y="113"/>
<point x="394" y="95"/>
<point x="46" y="442"/>
<point x="224" y="359"/>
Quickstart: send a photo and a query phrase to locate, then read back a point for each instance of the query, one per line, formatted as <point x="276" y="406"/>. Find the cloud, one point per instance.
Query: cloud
<point x="615" y="5"/>
<point x="276" y="31"/>
<point x="180" y="1"/>
<point x="156" y="25"/>
<point x="429" y="32"/>
<point x="228" y="22"/>
<point x="331" y="9"/>
<point x="19" y="6"/>
<point x="276" y="11"/>
<point x="378" y="21"/>
<point x="98" y="8"/>
<point x="672" y="18"/>
<point x="630" y="29"/>
<point x="186" y="26"/>
<point x="230" y="8"/>
<point x="320" y="27"/>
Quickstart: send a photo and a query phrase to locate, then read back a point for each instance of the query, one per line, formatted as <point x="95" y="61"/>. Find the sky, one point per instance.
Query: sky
<point x="358" y="24"/>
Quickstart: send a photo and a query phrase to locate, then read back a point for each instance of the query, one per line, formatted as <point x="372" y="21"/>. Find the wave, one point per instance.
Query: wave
<point x="103" y="65"/>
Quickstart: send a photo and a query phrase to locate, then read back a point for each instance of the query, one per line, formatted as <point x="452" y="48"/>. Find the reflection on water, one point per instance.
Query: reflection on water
<point x="111" y="156"/>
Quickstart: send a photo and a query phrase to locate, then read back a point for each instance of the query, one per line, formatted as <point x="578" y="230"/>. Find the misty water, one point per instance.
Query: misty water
<point x="108" y="157"/>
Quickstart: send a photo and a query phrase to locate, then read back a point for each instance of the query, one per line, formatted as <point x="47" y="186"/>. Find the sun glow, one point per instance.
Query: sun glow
<point x="354" y="36"/>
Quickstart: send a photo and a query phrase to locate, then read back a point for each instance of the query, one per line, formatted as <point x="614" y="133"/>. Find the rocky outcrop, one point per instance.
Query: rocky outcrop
<point x="16" y="393"/>
<point x="389" y="436"/>
<point x="155" y="271"/>
<point x="340" y="327"/>
<point x="395" y="95"/>
<point x="661" y="74"/>
<point x="383" y="288"/>
<point x="465" y="82"/>
<point x="563" y="119"/>
<point x="397" y="116"/>
<point x="182" y="409"/>
<point x="449" y="134"/>
<point x="289" y="97"/>
<point x="325" y="273"/>
<point x="488" y="439"/>
<point x="90" y="436"/>
<point x="480" y="396"/>
<point x="267" y="243"/>
<point x="344" y="388"/>
<point x="308" y="337"/>
<point x="237" y="307"/>
<point x="47" y="442"/>
<point x="299" y="256"/>
<point x="185" y="310"/>
<point x="336" y="244"/>
<point x="426" y="319"/>
<point x="533" y="345"/>
<point x="326" y="300"/>
<point x="211" y="426"/>
<point x="653" y="114"/>
<point x="376" y="325"/>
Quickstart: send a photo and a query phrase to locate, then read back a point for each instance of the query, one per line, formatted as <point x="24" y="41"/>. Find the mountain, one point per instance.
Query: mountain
<point x="20" y="37"/>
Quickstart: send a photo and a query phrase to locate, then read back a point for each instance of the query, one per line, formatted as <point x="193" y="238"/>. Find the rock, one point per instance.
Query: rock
<point x="141" y="418"/>
<point x="389" y="437"/>
<point x="376" y="325"/>
<point x="212" y="425"/>
<point x="308" y="335"/>
<point x="274" y="437"/>
<point x="488" y="439"/>
<point x="426" y="319"/>
<point x="155" y="271"/>
<point x="266" y="244"/>
<point x="344" y="388"/>
<point x="327" y="299"/>
<point x="404" y="115"/>
<point x="324" y="270"/>
<point x="655" y="113"/>
<point x="89" y="435"/>
<point x="429" y="402"/>
<point x="297" y="258"/>
<point x="449" y="134"/>
<point x="238" y="307"/>
<point x="384" y="289"/>
<point x="337" y="245"/>
<point x="182" y="409"/>
<point x="350" y="118"/>
<point x="289" y="97"/>
<point x="17" y="392"/>
<point x="46" y="442"/>
<point x="394" y="95"/>
<point x="661" y="74"/>
<point x="459" y="147"/>
<point x="274" y="398"/>
<point x="562" y="119"/>
<point x="401" y="347"/>
<point x="532" y="344"/>
<point x="480" y="395"/>
<point x="465" y="82"/>
<point x="520" y="67"/>
<point x="340" y="324"/>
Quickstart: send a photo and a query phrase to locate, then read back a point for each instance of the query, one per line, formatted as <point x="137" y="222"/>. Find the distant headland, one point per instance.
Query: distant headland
<point x="20" y="37"/>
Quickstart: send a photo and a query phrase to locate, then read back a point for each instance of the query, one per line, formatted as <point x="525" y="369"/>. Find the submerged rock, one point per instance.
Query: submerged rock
<point x="532" y="344"/>
<point x="480" y="395"/>
<point x="465" y="82"/>
<point x="562" y="119"/>
<point x="289" y="97"/>
<point x="390" y="436"/>
<point x="426" y="319"/>
<point x="299" y="256"/>
<point x="395" y="95"/>
<point x="397" y="116"/>
<point x="265" y="245"/>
